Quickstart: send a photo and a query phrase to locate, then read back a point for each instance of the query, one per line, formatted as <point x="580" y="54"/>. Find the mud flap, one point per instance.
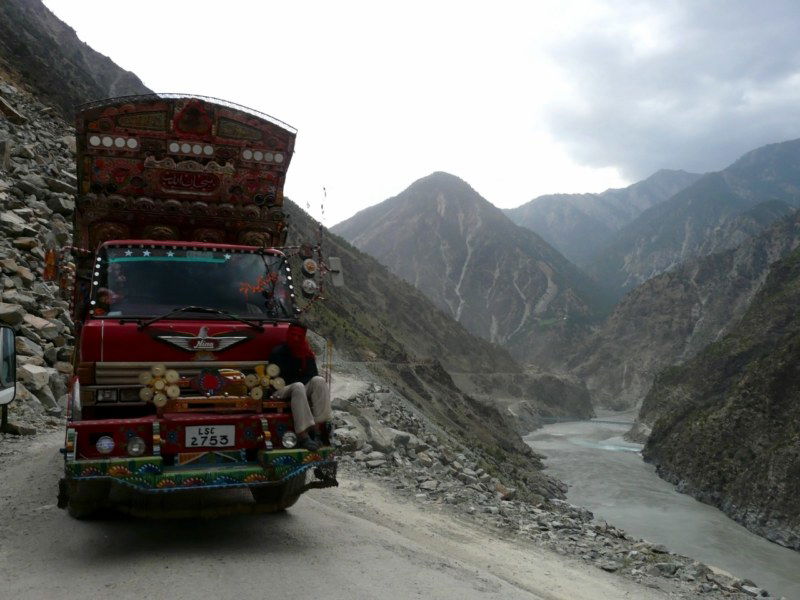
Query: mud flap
<point x="63" y="493"/>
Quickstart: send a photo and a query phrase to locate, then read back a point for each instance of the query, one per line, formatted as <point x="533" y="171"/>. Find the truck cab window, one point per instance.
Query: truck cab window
<point x="142" y="282"/>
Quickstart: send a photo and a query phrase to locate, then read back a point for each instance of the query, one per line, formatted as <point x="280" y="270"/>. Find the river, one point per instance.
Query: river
<point x="607" y="475"/>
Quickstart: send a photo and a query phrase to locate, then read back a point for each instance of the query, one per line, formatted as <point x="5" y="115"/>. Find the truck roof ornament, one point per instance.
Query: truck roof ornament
<point x="180" y="167"/>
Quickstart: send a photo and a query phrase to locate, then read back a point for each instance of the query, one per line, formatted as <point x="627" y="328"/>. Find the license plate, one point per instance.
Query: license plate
<point x="210" y="436"/>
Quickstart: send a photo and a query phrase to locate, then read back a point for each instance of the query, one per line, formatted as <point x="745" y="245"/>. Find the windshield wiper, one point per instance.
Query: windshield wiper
<point x="202" y="309"/>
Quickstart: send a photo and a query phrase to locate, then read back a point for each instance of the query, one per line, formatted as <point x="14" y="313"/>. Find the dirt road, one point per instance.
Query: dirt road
<point x="357" y="541"/>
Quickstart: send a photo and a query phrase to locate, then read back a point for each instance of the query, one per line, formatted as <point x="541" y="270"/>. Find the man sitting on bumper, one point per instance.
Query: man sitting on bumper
<point x="309" y="393"/>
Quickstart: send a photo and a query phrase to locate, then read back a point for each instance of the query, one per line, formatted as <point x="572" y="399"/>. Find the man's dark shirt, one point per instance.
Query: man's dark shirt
<point x="292" y="367"/>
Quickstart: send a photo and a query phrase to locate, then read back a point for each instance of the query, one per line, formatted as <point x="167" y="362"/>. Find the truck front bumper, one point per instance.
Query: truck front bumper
<point x="149" y="475"/>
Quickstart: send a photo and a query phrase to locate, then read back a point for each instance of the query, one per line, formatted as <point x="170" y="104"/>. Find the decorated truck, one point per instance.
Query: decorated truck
<point x="181" y="286"/>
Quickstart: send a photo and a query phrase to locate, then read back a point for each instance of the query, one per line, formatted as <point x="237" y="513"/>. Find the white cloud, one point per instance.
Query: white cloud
<point x="519" y="99"/>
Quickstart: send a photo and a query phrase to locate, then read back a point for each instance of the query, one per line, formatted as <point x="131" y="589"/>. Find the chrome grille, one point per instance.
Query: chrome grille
<point x="127" y="373"/>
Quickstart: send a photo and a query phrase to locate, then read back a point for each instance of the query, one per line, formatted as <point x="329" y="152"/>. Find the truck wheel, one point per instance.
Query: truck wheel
<point x="280" y="497"/>
<point x="81" y="510"/>
<point x="85" y="498"/>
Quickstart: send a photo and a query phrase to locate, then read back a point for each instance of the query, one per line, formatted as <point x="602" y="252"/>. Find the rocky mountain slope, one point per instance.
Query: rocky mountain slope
<point x="715" y="213"/>
<point x="501" y="281"/>
<point x="580" y="225"/>
<point x="46" y="54"/>
<point x="671" y="317"/>
<point x="725" y="424"/>
<point x="37" y="175"/>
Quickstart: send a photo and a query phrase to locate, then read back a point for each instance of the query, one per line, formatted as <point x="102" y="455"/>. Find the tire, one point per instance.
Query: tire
<point x="86" y="498"/>
<point x="282" y="496"/>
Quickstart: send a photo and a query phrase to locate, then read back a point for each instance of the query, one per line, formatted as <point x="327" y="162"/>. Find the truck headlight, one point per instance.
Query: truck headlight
<point x="136" y="446"/>
<point x="289" y="439"/>
<point x="309" y="288"/>
<point x="105" y="444"/>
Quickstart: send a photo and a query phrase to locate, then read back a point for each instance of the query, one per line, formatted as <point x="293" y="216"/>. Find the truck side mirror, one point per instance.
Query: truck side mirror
<point x="8" y="365"/>
<point x="335" y="268"/>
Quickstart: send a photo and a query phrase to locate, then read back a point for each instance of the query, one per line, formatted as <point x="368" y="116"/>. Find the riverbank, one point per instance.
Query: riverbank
<point x="606" y="474"/>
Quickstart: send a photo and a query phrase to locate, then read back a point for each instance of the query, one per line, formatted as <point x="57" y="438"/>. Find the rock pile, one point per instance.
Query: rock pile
<point x="37" y="183"/>
<point x="381" y="435"/>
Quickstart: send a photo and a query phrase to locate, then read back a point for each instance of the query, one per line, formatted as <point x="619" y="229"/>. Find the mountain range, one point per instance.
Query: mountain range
<point x="581" y="225"/>
<point x="501" y="281"/>
<point x="671" y="317"/>
<point x="717" y="212"/>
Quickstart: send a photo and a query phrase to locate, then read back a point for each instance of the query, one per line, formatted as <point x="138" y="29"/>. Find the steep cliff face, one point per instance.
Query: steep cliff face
<point x="715" y="213"/>
<point x="726" y="425"/>
<point x="671" y="317"/>
<point x="502" y="282"/>
<point x="43" y="52"/>
<point x="580" y="225"/>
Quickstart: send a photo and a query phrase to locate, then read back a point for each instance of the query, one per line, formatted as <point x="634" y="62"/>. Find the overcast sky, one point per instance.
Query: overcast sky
<point x="519" y="99"/>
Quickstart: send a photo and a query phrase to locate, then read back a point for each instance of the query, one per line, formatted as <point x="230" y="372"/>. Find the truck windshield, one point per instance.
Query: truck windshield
<point x="145" y="282"/>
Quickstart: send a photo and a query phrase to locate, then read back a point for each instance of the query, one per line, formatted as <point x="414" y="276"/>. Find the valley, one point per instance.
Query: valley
<point x="587" y="395"/>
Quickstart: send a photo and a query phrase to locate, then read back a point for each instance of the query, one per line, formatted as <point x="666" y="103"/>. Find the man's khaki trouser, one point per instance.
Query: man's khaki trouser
<point x="311" y="403"/>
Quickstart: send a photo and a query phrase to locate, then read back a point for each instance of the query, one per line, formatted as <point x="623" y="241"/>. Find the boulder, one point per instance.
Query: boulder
<point x="23" y="300"/>
<point x="396" y="437"/>
<point x="23" y="395"/>
<point x="9" y="265"/>
<point x="34" y="377"/>
<point x="753" y="591"/>
<point x="47" y="398"/>
<point x="49" y="330"/>
<point x="424" y="459"/>
<point x="37" y="361"/>
<point x="722" y="578"/>
<point x="11" y="222"/>
<point x="56" y="185"/>
<point x="349" y="440"/>
<point x="32" y="183"/>
<point x="26" y="275"/>
<point x="64" y="368"/>
<point x="61" y="205"/>
<point x="69" y="142"/>
<point x="28" y="347"/>
<point x="57" y="383"/>
<point x="11" y="314"/>
<point x="25" y="243"/>
<point x="11" y="113"/>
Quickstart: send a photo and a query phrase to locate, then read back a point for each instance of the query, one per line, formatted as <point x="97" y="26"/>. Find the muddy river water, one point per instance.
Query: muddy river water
<point x="607" y="475"/>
